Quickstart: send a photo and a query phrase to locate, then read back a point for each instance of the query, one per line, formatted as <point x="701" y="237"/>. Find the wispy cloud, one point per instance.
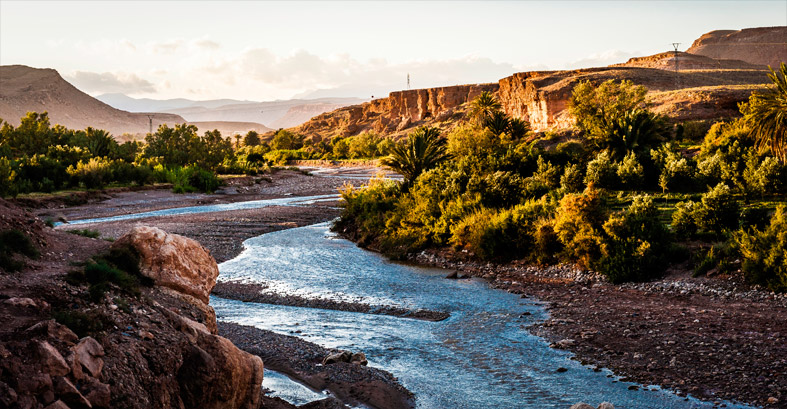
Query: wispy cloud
<point x="107" y="82"/>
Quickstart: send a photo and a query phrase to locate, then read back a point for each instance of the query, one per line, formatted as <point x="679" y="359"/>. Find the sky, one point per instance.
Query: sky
<point x="264" y="51"/>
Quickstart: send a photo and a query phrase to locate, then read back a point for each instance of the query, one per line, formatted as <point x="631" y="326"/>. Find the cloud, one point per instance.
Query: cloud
<point x="167" y="47"/>
<point x="302" y="72"/>
<point x="100" y="83"/>
<point x="207" y="44"/>
<point x="603" y="59"/>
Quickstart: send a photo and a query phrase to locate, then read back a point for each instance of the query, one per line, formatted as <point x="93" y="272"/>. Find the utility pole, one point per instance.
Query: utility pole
<point x="677" y="78"/>
<point x="150" y="121"/>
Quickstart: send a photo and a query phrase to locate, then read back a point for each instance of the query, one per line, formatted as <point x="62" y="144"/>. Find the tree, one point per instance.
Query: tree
<point x="99" y="142"/>
<point x="252" y="138"/>
<point x="484" y="107"/>
<point x="600" y="109"/>
<point x="766" y="113"/>
<point x="423" y="150"/>
<point x="285" y="139"/>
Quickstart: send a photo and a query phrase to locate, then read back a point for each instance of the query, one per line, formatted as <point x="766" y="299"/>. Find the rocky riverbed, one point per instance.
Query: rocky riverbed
<point x="258" y="293"/>
<point x="714" y="338"/>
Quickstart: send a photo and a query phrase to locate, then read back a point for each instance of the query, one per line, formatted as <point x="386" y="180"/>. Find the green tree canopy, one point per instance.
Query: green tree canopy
<point x="424" y="149"/>
<point x="766" y="113"/>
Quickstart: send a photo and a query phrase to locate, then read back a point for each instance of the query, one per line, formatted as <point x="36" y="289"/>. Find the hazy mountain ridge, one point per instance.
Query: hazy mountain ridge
<point x="274" y="114"/>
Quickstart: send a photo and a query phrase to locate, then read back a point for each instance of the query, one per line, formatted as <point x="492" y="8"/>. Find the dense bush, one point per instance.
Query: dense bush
<point x="602" y="171"/>
<point x="578" y="225"/>
<point x="718" y="211"/>
<point x="765" y="252"/>
<point x="636" y="243"/>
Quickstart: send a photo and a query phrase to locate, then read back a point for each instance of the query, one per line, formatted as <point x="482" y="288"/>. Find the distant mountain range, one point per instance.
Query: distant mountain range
<point x="24" y="89"/>
<point x="274" y="114"/>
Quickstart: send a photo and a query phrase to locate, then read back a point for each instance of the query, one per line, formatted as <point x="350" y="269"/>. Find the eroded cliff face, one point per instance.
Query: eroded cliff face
<point x="542" y="97"/>
<point x="760" y="45"/>
<point x="398" y="113"/>
<point x="721" y="69"/>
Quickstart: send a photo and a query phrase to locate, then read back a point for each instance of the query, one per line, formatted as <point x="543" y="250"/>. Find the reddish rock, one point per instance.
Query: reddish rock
<point x="216" y="374"/>
<point x="52" y="362"/>
<point x="173" y="261"/>
<point x="58" y="404"/>
<point x="97" y="393"/>
<point x="69" y="394"/>
<point x="51" y="329"/>
<point x="88" y="353"/>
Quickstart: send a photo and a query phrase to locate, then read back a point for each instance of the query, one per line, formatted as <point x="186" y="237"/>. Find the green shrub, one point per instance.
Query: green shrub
<point x="93" y="234"/>
<point x="764" y="252"/>
<point x="636" y="243"/>
<point x="631" y="172"/>
<point x="578" y="225"/>
<point x="572" y="180"/>
<point x="503" y="234"/>
<point x="83" y="324"/>
<point x="602" y="172"/>
<point x="684" y="223"/>
<point x="12" y="243"/>
<point x="7" y="176"/>
<point x="677" y="172"/>
<point x="764" y="176"/>
<point x="718" y="211"/>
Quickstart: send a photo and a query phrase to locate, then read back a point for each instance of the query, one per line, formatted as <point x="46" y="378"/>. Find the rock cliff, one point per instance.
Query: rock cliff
<point x="542" y="97"/>
<point x="720" y="70"/>
<point x="760" y="45"/>
<point x="397" y="114"/>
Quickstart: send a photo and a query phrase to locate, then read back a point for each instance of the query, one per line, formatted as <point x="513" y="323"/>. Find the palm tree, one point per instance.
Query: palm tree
<point x="423" y="150"/>
<point x="635" y="130"/>
<point x="99" y="141"/>
<point x="484" y="107"/>
<point x="498" y="123"/>
<point x="766" y="112"/>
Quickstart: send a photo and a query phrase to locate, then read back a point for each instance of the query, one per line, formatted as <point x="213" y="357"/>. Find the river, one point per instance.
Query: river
<point x="481" y="357"/>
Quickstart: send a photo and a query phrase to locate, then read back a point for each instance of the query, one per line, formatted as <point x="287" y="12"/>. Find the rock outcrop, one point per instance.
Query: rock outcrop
<point x="395" y="115"/>
<point x="173" y="261"/>
<point x="158" y="348"/>
<point x="761" y="45"/>
<point x="713" y="78"/>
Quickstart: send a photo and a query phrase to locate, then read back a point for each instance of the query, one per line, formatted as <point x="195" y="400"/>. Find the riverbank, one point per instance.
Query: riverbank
<point x="713" y="338"/>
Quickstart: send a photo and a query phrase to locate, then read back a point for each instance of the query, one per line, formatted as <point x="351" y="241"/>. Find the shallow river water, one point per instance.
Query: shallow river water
<point x="481" y="357"/>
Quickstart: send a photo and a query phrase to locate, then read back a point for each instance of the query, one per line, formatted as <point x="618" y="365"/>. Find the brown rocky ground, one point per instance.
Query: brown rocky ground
<point x="144" y="339"/>
<point x="713" y="338"/>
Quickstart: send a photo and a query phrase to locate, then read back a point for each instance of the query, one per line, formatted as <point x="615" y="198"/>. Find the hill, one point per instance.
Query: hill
<point x="24" y="89"/>
<point x="761" y="45"/>
<point x="27" y="89"/>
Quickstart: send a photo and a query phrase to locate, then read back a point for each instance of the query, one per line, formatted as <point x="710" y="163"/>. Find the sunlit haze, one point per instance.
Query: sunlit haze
<point x="276" y="50"/>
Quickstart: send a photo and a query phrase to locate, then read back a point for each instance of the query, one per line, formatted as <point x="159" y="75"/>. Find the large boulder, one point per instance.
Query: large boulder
<point x="173" y="261"/>
<point x="216" y="374"/>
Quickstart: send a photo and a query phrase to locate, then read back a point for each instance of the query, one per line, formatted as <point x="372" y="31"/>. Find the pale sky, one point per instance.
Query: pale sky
<point x="277" y="50"/>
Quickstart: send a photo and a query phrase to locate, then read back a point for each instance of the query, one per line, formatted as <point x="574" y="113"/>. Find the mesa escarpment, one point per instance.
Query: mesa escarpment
<point x="117" y="350"/>
<point x="542" y="97"/>
<point x="719" y="71"/>
<point x="760" y="45"/>
<point x="396" y="114"/>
